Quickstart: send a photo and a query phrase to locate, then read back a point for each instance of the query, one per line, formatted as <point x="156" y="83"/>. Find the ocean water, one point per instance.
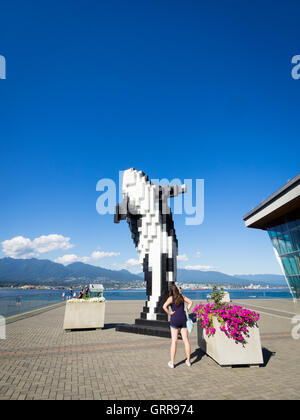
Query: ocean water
<point x="17" y="301"/>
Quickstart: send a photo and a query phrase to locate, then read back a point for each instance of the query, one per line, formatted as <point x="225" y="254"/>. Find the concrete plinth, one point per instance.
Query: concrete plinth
<point x="226" y="352"/>
<point x="84" y="315"/>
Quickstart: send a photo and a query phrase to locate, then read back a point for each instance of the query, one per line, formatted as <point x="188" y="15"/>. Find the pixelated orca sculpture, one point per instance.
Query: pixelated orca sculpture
<point x="145" y="206"/>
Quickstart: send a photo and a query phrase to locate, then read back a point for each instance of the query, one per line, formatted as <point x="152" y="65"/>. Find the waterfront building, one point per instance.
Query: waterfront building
<point x="279" y="215"/>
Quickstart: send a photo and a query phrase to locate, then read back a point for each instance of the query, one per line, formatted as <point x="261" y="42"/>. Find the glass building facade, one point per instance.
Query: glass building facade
<point x="285" y="238"/>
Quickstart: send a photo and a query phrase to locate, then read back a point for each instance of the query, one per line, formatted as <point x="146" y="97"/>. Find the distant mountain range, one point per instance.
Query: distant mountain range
<point x="216" y="277"/>
<point x="274" y="279"/>
<point x="211" y="277"/>
<point x="35" y="271"/>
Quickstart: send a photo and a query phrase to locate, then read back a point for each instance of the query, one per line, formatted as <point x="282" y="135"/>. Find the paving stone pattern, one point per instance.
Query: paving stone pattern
<point x="41" y="361"/>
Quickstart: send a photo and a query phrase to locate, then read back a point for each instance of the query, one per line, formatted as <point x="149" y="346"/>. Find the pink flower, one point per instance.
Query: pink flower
<point x="235" y="319"/>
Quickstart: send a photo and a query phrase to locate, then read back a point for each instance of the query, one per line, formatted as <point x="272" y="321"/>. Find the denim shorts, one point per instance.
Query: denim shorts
<point x="178" y="327"/>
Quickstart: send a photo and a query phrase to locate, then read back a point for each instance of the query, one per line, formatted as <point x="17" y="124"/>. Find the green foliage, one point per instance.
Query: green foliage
<point x="217" y="297"/>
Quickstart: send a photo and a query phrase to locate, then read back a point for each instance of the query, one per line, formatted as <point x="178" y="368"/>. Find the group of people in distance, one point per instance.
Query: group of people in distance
<point x="73" y="294"/>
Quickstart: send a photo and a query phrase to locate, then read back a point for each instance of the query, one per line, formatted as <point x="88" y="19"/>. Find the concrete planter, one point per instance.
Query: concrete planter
<point x="226" y="352"/>
<point x="226" y="298"/>
<point x="84" y="315"/>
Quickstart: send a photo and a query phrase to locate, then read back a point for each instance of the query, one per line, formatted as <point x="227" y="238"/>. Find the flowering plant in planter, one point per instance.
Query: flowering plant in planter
<point x="234" y="320"/>
<point x="84" y="300"/>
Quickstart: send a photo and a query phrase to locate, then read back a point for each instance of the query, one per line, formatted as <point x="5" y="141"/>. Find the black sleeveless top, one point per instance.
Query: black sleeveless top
<point x="178" y="320"/>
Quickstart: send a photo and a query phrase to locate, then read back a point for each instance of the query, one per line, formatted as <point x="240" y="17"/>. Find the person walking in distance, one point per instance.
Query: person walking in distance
<point x="178" y="322"/>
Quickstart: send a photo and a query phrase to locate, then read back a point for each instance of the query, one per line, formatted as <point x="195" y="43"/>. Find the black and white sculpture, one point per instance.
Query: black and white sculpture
<point x="145" y="206"/>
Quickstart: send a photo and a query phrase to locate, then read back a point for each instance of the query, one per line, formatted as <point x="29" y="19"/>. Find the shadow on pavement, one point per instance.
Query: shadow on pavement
<point x="110" y="326"/>
<point x="267" y="354"/>
<point x="106" y="327"/>
<point x="197" y="353"/>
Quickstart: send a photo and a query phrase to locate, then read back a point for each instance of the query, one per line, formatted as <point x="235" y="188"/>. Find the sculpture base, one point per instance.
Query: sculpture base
<point x="146" y="327"/>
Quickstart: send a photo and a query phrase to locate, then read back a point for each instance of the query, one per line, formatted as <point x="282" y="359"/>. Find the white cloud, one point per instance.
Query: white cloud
<point x="117" y="266"/>
<point x="182" y="257"/>
<point x="51" y="243"/>
<point x="71" y="258"/>
<point x="199" y="267"/>
<point x="198" y="254"/>
<point x="96" y="255"/>
<point x="132" y="265"/>
<point x="20" y="247"/>
<point x="133" y="262"/>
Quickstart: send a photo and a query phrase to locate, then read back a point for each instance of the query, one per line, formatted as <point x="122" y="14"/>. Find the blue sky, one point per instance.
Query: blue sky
<point x="193" y="89"/>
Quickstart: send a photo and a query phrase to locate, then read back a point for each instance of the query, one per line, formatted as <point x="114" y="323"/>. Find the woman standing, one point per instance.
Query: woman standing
<point x="178" y="322"/>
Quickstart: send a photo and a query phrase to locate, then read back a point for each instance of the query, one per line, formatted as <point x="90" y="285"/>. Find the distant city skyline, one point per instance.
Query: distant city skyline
<point x="195" y="90"/>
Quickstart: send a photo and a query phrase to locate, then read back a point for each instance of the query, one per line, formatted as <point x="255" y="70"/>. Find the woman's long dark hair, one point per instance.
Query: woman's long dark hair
<point x="178" y="298"/>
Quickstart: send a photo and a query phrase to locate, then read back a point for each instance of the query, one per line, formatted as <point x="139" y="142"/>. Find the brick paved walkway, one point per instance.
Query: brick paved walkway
<point x="41" y="361"/>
